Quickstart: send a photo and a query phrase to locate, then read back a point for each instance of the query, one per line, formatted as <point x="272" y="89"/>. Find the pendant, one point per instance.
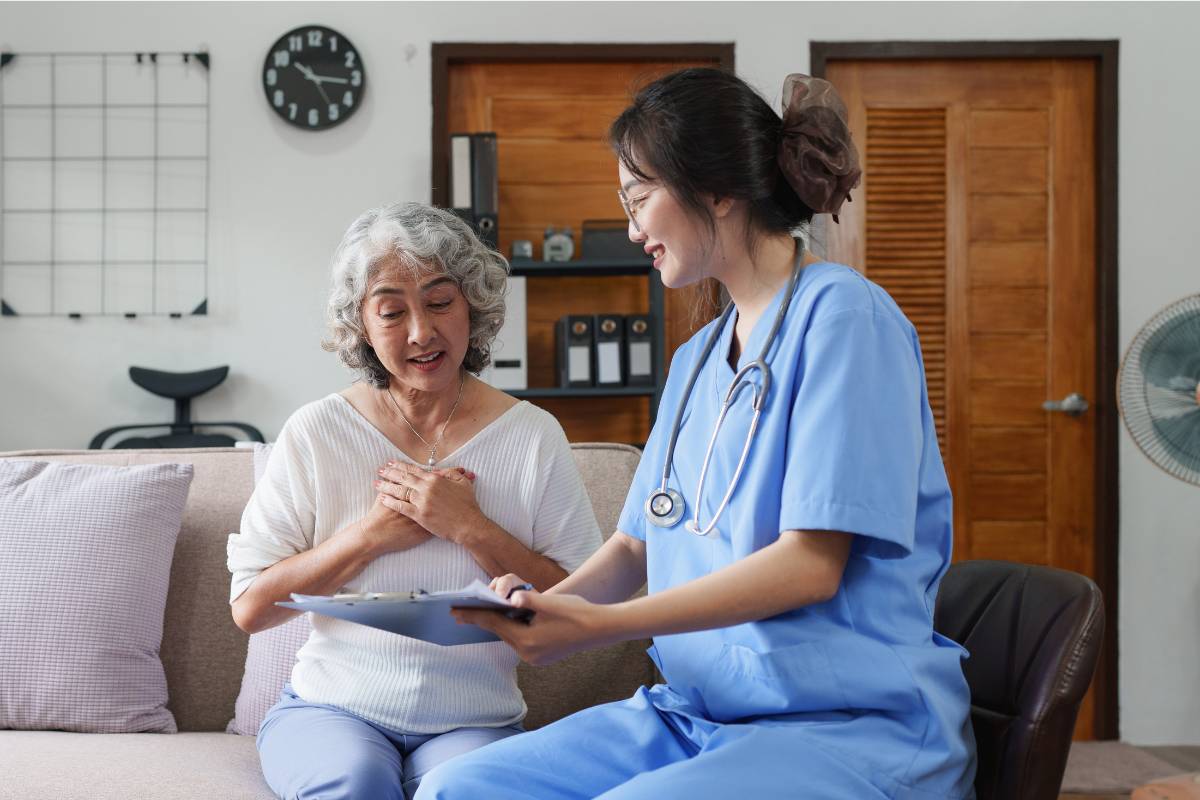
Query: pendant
<point x="429" y="464"/>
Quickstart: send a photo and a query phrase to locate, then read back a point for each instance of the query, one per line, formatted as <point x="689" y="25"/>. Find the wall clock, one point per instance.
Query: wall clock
<point x="313" y="77"/>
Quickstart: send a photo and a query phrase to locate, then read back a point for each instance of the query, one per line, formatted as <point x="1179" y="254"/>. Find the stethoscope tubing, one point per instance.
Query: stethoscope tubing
<point x="739" y="381"/>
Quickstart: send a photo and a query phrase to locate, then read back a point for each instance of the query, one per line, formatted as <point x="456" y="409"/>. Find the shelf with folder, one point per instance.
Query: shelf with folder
<point x="634" y="266"/>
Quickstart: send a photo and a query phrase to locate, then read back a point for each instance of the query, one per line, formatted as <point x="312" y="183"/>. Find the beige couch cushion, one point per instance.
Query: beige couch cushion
<point x="129" y="766"/>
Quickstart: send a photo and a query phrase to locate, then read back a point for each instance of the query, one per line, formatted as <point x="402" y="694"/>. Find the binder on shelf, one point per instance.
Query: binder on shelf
<point x="576" y="347"/>
<point x="474" y="183"/>
<point x="610" y="334"/>
<point x="510" y="367"/>
<point x="460" y="175"/>
<point x="639" y="350"/>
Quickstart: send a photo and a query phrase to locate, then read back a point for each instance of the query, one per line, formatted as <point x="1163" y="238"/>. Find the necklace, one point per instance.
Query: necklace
<point x="432" y="447"/>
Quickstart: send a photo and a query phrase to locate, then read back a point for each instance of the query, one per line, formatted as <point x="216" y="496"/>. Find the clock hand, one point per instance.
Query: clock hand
<point x="312" y="76"/>
<point x="327" y="79"/>
<point x="322" y="91"/>
<point x="308" y="73"/>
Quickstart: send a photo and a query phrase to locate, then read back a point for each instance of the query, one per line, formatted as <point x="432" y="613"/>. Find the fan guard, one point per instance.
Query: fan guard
<point x="1158" y="389"/>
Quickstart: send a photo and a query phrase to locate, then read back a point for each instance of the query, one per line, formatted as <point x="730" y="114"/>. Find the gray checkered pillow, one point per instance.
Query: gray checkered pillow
<point x="269" y="656"/>
<point x="85" y="556"/>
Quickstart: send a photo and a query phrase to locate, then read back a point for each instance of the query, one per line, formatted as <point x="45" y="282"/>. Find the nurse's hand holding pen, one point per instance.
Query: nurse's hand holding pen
<point x="561" y="624"/>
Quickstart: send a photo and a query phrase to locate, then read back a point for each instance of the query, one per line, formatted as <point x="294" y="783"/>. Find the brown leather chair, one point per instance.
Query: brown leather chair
<point x="1034" y="635"/>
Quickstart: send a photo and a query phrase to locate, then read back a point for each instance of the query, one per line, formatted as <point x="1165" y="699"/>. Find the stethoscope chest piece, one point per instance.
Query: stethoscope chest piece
<point x="664" y="508"/>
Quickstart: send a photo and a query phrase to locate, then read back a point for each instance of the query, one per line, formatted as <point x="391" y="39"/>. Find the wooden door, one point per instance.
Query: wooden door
<point x="555" y="167"/>
<point x="977" y="213"/>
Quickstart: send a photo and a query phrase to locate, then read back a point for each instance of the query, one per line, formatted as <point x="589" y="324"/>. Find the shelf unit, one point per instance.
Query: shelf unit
<point x="598" y="268"/>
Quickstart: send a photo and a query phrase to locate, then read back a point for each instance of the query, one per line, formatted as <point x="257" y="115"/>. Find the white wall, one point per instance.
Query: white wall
<point x="280" y="199"/>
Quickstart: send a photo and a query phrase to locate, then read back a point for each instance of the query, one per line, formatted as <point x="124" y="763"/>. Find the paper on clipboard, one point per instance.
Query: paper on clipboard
<point x="420" y="615"/>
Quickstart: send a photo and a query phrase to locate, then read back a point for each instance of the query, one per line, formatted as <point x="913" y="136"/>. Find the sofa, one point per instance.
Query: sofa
<point x="204" y="653"/>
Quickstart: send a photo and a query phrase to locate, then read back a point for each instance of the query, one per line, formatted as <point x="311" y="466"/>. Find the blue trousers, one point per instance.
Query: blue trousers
<point x="655" y="745"/>
<point x="311" y="750"/>
<point x="643" y="748"/>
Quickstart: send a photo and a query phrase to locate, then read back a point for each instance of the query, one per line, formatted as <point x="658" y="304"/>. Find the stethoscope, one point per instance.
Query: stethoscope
<point x="665" y="506"/>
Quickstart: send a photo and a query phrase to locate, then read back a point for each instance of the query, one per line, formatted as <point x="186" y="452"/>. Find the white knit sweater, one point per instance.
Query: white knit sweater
<point x="319" y="479"/>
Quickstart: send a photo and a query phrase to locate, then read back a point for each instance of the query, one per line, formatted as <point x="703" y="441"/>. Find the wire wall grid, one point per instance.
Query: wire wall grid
<point x="104" y="184"/>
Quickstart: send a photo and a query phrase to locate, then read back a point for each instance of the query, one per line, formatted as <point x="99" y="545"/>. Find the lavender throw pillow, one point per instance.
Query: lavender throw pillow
<point x="85" y="556"/>
<point x="269" y="656"/>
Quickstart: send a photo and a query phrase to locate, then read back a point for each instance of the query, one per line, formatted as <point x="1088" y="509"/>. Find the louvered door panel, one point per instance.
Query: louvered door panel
<point x="906" y="228"/>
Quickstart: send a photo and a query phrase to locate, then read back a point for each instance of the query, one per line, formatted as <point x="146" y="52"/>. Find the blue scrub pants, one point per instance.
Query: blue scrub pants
<point x="311" y="750"/>
<point x="644" y="748"/>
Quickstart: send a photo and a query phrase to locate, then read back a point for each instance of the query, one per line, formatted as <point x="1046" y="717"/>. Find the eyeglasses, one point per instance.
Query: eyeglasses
<point x="631" y="205"/>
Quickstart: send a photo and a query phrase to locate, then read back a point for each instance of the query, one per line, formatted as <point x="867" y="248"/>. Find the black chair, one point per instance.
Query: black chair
<point x="180" y="387"/>
<point x="1034" y="636"/>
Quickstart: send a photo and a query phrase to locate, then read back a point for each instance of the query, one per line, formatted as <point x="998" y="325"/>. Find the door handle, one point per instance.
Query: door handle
<point x="1072" y="405"/>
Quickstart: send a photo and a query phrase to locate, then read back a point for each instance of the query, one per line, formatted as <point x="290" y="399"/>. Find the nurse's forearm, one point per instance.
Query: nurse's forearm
<point x="612" y="573"/>
<point x="801" y="568"/>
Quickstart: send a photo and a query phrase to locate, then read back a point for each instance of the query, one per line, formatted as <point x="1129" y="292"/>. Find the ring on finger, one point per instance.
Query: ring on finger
<point x="407" y="492"/>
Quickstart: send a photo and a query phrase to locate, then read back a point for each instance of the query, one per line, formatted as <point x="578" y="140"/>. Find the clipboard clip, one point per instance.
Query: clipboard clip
<point x="366" y="597"/>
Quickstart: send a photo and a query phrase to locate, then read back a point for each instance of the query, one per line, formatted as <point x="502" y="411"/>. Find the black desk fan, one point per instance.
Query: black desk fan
<point x="180" y="387"/>
<point x="1158" y="389"/>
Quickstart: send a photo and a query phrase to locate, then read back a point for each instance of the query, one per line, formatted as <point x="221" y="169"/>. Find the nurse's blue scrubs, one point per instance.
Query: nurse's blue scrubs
<point x="853" y="698"/>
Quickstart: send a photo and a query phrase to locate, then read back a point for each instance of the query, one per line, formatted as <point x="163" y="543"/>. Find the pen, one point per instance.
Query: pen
<point x="519" y="614"/>
<point x="524" y="587"/>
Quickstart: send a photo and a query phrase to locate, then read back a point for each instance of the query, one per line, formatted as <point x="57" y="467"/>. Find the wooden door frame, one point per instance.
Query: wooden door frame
<point x="1105" y="54"/>
<point x="444" y="54"/>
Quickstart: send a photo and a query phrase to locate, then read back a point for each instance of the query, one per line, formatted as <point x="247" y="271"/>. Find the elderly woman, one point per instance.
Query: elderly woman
<point x="418" y="476"/>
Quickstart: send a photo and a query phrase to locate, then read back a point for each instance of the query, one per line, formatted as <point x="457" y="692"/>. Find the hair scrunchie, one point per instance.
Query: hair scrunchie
<point x="816" y="153"/>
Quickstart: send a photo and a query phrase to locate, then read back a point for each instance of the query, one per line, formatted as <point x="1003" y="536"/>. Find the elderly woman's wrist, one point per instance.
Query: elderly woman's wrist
<point x="368" y="540"/>
<point x="472" y="532"/>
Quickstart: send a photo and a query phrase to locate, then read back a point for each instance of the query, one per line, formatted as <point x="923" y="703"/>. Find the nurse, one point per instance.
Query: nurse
<point x="793" y="539"/>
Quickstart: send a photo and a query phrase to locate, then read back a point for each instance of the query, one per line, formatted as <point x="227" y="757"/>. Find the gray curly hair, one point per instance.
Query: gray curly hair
<point x="425" y="240"/>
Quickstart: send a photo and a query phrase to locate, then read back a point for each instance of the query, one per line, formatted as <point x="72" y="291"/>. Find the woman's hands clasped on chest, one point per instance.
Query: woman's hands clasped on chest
<point x="440" y="502"/>
<point x="386" y="530"/>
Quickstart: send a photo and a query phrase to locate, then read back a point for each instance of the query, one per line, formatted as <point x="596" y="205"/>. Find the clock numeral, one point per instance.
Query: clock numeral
<point x="296" y="43"/>
<point x="349" y="59"/>
<point x="313" y="116"/>
<point x="272" y="76"/>
<point x="282" y="58"/>
<point x="333" y="112"/>
<point x="356" y="78"/>
<point x="348" y="98"/>
<point x="333" y="44"/>
<point x="314" y="38"/>
<point x="279" y="98"/>
<point x="291" y="110"/>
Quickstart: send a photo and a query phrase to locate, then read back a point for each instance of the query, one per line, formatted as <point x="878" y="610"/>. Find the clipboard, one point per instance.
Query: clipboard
<point x="420" y="615"/>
